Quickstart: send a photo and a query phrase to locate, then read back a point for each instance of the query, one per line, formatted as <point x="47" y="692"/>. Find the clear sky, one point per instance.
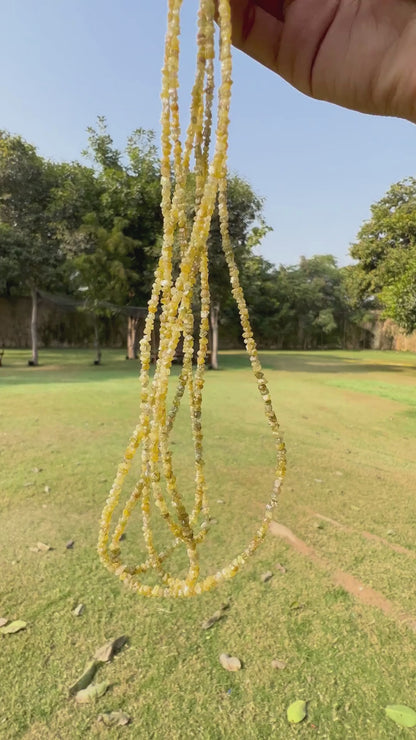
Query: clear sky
<point x="63" y="62"/>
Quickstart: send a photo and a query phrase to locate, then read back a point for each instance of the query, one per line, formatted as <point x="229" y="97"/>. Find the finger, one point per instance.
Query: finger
<point x="256" y="31"/>
<point x="273" y="7"/>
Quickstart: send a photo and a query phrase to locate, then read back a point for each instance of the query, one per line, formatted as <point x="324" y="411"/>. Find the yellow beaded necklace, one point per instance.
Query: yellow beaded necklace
<point x="174" y="299"/>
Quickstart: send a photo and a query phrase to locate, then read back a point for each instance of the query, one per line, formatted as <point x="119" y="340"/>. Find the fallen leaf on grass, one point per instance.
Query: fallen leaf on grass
<point x="401" y="715"/>
<point x="278" y="665"/>
<point x="219" y="614"/>
<point x="230" y="663"/>
<point x="281" y="568"/>
<point x="266" y="576"/>
<point x="41" y="547"/>
<point x="92" y="693"/>
<point x="78" y="610"/>
<point x="114" y="719"/>
<point x="86" y="678"/>
<point x="10" y="629"/>
<point x="3" y="621"/>
<point x="106" y="652"/>
<point x="297" y="711"/>
<point x="208" y="623"/>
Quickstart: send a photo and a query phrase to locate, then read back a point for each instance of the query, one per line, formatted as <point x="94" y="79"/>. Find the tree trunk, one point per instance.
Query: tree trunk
<point x="34" y="328"/>
<point x="132" y="325"/>
<point x="213" y="317"/>
<point x="97" y="360"/>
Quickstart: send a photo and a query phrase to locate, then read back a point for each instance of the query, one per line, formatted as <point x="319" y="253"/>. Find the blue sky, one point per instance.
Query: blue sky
<point x="319" y="167"/>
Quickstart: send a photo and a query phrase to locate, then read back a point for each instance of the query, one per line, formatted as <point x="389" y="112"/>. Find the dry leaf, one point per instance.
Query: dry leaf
<point x="219" y="614"/>
<point x="230" y="663"/>
<point x="86" y="678"/>
<point x="208" y="623"/>
<point x="278" y="665"/>
<point x="69" y="545"/>
<point x="266" y="576"/>
<point x="41" y="547"/>
<point x="3" y="621"/>
<point x="78" y="610"/>
<point x="92" y="693"/>
<point x="106" y="652"/>
<point x="13" y="627"/>
<point x="114" y="719"/>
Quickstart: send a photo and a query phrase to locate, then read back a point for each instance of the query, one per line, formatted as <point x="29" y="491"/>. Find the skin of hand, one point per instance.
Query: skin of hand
<point x="360" y="54"/>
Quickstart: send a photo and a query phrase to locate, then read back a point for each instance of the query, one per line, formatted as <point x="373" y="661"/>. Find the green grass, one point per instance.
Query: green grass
<point x="350" y="424"/>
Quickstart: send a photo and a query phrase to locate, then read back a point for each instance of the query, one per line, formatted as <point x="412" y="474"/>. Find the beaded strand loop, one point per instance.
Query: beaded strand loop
<point x="173" y="299"/>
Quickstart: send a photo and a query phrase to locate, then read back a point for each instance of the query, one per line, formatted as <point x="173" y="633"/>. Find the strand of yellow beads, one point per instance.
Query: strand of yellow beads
<point x="173" y="299"/>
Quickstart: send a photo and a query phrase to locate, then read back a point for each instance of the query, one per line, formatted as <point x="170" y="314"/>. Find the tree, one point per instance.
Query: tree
<point x="300" y="306"/>
<point x="29" y="252"/>
<point x="100" y="270"/>
<point x="129" y="206"/>
<point x="259" y="279"/>
<point x="398" y="296"/>
<point x="385" y="251"/>
<point x="246" y="228"/>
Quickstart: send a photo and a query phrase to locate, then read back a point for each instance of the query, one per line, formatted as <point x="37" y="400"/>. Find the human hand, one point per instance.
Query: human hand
<point x="360" y="54"/>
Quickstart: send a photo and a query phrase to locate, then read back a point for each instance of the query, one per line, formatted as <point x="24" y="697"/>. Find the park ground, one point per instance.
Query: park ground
<point x="338" y="613"/>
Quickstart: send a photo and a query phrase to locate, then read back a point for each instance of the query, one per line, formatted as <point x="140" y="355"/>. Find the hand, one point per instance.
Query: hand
<point x="360" y="54"/>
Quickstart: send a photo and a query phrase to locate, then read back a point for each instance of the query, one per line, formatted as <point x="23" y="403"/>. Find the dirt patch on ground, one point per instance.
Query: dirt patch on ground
<point x="365" y="594"/>
<point x="367" y="535"/>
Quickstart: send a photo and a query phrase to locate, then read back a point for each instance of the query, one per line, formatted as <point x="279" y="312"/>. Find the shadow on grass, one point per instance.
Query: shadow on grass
<point x="313" y="362"/>
<point x="76" y="366"/>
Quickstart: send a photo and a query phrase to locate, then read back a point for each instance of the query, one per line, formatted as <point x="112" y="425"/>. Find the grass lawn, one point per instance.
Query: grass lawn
<point x="350" y="426"/>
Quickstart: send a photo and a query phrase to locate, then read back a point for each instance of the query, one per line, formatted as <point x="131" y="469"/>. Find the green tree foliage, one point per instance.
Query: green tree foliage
<point x="30" y="257"/>
<point x="246" y="229"/>
<point x="129" y="186"/>
<point x="302" y="306"/>
<point x="385" y="251"/>
<point x="399" y="294"/>
<point x="29" y="254"/>
<point x="312" y="307"/>
<point x="111" y="257"/>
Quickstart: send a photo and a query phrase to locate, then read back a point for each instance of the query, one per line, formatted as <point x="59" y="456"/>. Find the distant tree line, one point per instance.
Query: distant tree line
<point x="94" y="233"/>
